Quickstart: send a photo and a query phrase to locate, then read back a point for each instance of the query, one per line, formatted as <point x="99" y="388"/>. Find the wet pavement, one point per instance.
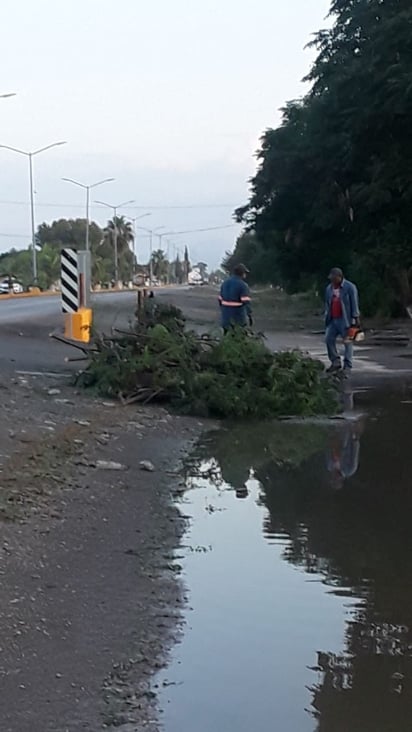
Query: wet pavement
<point x="298" y="564"/>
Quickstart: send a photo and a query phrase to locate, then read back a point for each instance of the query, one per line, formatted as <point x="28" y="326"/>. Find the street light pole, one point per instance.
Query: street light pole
<point x="7" y="96"/>
<point x="30" y="156"/>
<point x="33" y="226"/>
<point x="152" y="233"/>
<point x="151" y="259"/>
<point x="133" y="219"/>
<point x="115" y="232"/>
<point x="87" y="218"/>
<point x="88" y="188"/>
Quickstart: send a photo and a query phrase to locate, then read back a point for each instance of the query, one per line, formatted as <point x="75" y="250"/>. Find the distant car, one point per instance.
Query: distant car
<point x="16" y="288"/>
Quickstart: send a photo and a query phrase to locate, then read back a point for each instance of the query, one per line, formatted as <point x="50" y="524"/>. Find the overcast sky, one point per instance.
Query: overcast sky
<point x="169" y="98"/>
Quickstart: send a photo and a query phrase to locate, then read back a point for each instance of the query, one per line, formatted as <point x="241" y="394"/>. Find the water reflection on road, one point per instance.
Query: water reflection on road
<point x="299" y="564"/>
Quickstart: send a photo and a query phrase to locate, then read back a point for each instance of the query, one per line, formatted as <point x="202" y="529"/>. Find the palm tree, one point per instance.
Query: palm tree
<point x="124" y="230"/>
<point x="159" y="264"/>
<point x="119" y="234"/>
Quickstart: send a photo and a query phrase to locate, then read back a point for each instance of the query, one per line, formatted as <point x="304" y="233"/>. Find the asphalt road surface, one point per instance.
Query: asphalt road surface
<point x="26" y="325"/>
<point x="42" y="308"/>
<point x="25" y="328"/>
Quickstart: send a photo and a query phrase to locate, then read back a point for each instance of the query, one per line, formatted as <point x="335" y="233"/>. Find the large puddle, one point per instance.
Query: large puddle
<point x="298" y="564"/>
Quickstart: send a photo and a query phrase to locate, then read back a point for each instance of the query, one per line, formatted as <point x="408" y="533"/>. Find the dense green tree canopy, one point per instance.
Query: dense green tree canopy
<point x="333" y="184"/>
<point x="52" y="238"/>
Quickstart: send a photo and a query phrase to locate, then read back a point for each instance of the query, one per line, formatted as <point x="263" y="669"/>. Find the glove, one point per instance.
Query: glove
<point x="250" y="319"/>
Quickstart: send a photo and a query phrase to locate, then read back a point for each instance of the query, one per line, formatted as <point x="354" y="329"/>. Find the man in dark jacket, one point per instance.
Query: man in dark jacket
<point x="234" y="300"/>
<point x="341" y="313"/>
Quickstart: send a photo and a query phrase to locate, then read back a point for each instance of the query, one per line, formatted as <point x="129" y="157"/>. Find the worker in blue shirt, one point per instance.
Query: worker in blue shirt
<point x="234" y="300"/>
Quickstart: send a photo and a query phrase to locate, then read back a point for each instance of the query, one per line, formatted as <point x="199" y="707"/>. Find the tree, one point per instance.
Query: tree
<point x="217" y="276"/>
<point x="118" y="228"/>
<point x="18" y="264"/>
<point x="178" y="270"/>
<point x="68" y="233"/>
<point x="64" y="233"/>
<point x="186" y="264"/>
<point x="124" y="229"/>
<point x="160" y="264"/>
<point x="333" y="180"/>
<point x="260" y="260"/>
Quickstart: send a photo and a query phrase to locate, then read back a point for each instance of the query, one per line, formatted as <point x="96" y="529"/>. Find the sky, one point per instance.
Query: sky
<point x="169" y="98"/>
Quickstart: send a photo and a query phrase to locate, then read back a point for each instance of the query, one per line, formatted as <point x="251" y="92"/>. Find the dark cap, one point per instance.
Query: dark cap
<point x="240" y="269"/>
<point x="335" y="272"/>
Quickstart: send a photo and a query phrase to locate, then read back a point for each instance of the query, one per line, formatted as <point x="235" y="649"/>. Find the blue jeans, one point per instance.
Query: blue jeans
<point x="233" y="316"/>
<point x="335" y="329"/>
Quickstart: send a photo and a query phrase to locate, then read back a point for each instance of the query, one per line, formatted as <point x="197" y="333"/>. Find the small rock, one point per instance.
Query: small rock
<point x="82" y="422"/>
<point x="103" y="439"/>
<point x="147" y="465"/>
<point x="108" y="404"/>
<point x="109" y="465"/>
<point x="54" y="392"/>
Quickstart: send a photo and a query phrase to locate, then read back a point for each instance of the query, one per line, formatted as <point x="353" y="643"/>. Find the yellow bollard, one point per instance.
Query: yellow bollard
<point x="77" y="326"/>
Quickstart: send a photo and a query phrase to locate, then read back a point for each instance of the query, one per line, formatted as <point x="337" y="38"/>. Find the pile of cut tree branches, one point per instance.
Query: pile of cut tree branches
<point x="235" y="376"/>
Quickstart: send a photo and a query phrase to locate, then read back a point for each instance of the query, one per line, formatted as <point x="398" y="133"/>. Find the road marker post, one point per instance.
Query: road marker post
<point x="75" y="286"/>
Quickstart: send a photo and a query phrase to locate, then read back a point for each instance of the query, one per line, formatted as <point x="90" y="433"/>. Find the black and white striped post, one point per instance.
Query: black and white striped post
<point x="70" y="281"/>
<point x="75" y="288"/>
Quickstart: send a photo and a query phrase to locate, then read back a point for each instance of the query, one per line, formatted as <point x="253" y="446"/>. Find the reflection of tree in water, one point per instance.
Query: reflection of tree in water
<point x="235" y="451"/>
<point x="359" y="539"/>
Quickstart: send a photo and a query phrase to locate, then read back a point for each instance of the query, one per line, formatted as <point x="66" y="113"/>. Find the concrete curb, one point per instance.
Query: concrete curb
<point x="21" y="295"/>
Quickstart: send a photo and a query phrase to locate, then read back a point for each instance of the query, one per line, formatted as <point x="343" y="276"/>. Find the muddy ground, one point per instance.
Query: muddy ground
<point x="89" y="596"/>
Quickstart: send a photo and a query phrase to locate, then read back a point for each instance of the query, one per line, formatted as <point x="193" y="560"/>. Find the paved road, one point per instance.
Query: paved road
<point x="26" y="324"/>
<point x="32" y="308"/>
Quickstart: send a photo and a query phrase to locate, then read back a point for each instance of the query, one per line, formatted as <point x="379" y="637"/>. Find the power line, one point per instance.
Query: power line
<point x="145" y="236"/>
<point x="156" y="207"/>
<point x="17" y="236"/>
<point x="195" y="231"/>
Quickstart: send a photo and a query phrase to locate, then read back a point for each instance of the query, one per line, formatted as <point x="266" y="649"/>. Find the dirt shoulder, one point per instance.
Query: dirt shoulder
<point x="89" y="591"/>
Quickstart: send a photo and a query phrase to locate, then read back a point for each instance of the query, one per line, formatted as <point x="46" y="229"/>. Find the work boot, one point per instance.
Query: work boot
<point x="334" y="368"/>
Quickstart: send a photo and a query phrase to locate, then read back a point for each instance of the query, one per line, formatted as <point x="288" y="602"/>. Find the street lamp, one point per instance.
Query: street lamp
<point x="88" y="189"/>
<point x="133" y="219"/>
<point x="114" y="209"/>
<point x="7" y="96"/>
<point x="30" y="156"/>
<point x="152" y="232"/>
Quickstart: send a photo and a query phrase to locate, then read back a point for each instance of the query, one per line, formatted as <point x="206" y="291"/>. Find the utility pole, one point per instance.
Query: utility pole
<point x="115" y="233"/>
<point x="88" y="188"/>
<point x="152" y="232"/>
<point x="30" y="156"/>
<point x="133" y="219"/>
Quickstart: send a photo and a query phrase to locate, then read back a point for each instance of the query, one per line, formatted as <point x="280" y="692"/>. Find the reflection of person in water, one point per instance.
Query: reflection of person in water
<point x="242" y="492"/>
<point x="236" y="473"/>
<point x="343" y="453"/>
